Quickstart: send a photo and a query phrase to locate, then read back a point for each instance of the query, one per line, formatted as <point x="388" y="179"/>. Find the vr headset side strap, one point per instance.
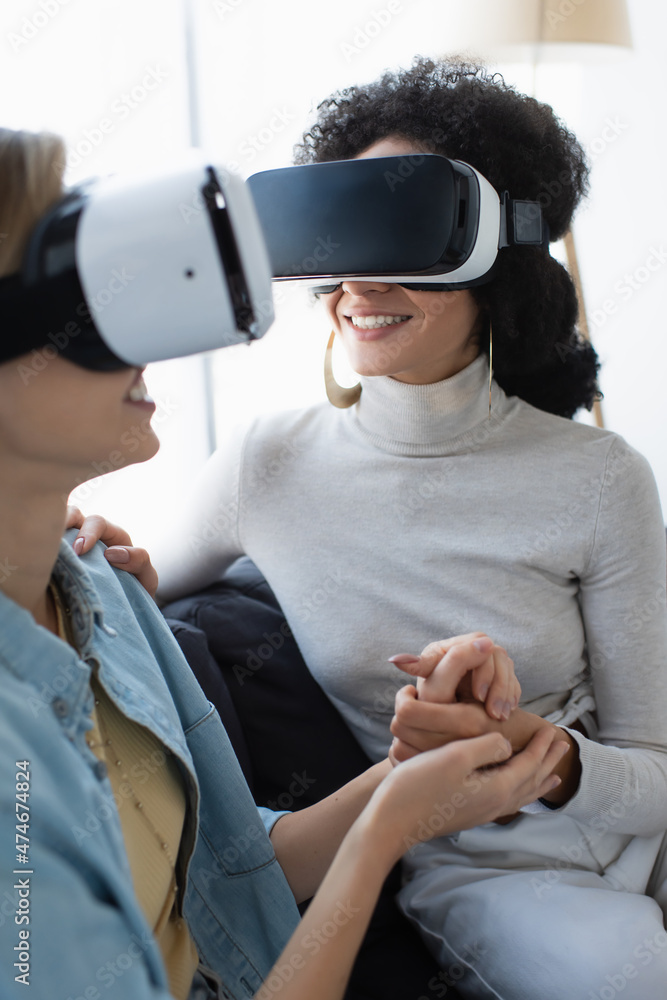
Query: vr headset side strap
<point x="20" y="319"/>
<point x="522" y="223"/>
<point x="52" y="313"/>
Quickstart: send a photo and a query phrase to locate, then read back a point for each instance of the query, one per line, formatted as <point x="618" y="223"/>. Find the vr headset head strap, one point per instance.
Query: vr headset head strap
<point x="51" y="313"/>
<point x="522" y="223"/>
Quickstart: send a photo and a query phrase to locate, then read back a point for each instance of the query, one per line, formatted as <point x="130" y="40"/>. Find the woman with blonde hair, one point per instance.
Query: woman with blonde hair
<point x="134" y="861"/>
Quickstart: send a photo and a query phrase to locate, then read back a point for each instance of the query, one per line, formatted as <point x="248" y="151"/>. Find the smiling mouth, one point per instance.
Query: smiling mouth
<point x="376" y="322"/>
<point x="138" y="393"/>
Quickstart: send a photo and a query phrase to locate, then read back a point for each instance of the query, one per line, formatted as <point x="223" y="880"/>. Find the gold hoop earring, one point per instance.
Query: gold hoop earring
<point x="490" y="364"/>
<point x="337" y="394"/>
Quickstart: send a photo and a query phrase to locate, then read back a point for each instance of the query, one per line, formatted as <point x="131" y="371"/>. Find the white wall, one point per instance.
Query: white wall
<point x="262" y="68"/>
<point x="623" y="226"/>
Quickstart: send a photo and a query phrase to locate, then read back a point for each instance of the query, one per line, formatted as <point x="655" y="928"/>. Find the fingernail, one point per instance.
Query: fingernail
<point x="483" y="691"/>
<point x="507" y="710"/>
<point x="564" y="747"/>
<point x="555" y="782"/>
<point x="483" y="644"/>
<point x="117" y="554"/>
<point x="79" y="544"/>
<point x="403" y="658"/>
<point x="509" y="746"/>
<point x="498" y="708"/>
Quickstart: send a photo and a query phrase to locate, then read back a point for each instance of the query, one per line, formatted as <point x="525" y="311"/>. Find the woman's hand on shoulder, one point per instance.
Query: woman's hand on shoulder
<point x="120" y="551"/>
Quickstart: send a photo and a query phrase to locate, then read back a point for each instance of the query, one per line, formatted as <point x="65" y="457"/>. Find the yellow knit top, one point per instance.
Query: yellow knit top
<point x="150" y="795"/>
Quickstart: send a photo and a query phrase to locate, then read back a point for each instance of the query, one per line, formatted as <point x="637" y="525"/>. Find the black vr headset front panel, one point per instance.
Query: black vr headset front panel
<point x="389" y="215"/>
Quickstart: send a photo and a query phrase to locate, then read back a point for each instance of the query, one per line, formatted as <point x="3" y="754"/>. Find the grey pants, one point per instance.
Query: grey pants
<point x="543" y="907"/>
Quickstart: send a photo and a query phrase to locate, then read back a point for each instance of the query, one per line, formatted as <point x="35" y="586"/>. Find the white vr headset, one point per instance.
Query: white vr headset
<point x="423" y="221"/>
<point x="125" y="271"/>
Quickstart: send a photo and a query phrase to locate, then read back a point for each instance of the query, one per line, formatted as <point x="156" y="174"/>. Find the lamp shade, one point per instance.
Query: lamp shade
<point x="590" y="22"/>
<point x="515" y="30"/>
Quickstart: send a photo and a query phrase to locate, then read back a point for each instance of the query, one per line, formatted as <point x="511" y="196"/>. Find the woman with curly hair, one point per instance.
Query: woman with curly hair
<point x="430" y="508"/>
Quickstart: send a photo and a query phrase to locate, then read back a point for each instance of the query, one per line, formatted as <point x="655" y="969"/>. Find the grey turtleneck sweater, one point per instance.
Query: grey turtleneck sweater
<point x="413" y="517"/>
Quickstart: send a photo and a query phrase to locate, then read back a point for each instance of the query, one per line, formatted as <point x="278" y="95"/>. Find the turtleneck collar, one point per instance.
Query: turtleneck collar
<point x="429" y="420"/>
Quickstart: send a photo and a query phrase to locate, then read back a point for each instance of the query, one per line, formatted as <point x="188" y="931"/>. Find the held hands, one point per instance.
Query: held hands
<point x="120" y="552"/>
<point x="464" y="672"/>
<point x="421" y="724"/>
<point x="488" y="679"/>
<point x="461" y="785"/>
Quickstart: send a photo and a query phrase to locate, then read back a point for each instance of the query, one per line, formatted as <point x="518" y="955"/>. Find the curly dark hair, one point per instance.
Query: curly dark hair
<point x="460" y="110"/>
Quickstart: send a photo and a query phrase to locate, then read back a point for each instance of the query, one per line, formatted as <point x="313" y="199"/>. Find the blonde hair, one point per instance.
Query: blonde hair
<point x="32" y="165"/>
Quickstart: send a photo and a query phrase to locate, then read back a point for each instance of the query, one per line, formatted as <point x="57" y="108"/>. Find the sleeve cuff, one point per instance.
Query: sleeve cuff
<point x="539" y="806"/>
<point x="270" y="818"/>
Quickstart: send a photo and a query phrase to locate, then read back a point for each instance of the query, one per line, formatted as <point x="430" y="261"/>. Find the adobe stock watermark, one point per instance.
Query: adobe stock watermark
<point x="566" y="8"/>
<point x="251" y="146"/>
<point x="130" y="440"/>
<point x="224" y="7"/>
<point x="239" y="845"/>
<point x="6" y="570"/>
<point x="423" y="491"/>
<point x="108" y="974"/>
<point x="120" y="110"/>
<point x="34" y="23"/>
<point x="256" y="142"/>
<point x="110" y="806"/>
<point x="255" y="660"/>
<point x="49" y="693"/>
<point x="323" y="248"/>
<point x="620" y="461"/>
<point x="627" y="286"/>
<point x="573" y="855"/>
<point x="439" y="822"/>
<point x="448" y="978"/>
<point x="405" y="169"/>
<point x="388" y="354"/>
<point x="430" y="486"/>
<point x="365" y="33"/>
<point x="632" y="622"/>
<point x="613" y="128"/>
<point x="554" y="188"/>
<point x="616" y="982"/>
<point x="319" y="596"/>
<point x="311" y="944"/>
<point x="299" y="784"/>
<point x="226" y="515"/>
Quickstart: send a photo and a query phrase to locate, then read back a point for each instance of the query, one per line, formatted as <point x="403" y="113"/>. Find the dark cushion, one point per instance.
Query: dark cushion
<point x="195" y="649"/>
<point x="293" y="745"/>
<point x="285" y="715"/>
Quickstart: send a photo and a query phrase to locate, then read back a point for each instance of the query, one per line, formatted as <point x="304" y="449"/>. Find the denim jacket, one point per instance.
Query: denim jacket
<point x="70" y="924"/>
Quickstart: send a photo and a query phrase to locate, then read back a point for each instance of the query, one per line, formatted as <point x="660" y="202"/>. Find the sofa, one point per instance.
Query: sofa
<point x="294" y="748"/>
